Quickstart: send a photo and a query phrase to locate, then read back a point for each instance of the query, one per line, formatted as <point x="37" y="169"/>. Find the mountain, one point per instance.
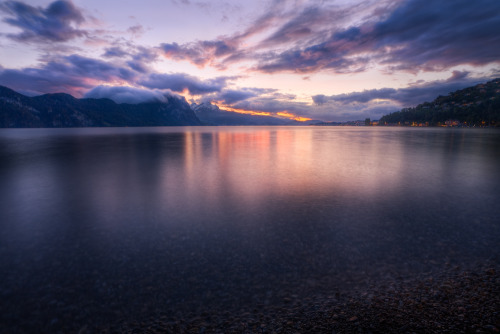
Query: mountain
<point x="213" y="115"/>
<point x="473" y="106"/>
<point x="63" y="110"/>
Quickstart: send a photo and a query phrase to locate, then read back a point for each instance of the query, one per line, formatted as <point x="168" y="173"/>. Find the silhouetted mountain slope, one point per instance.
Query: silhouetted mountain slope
<point x="63" y="110"/>
<point x="477" y="105"/>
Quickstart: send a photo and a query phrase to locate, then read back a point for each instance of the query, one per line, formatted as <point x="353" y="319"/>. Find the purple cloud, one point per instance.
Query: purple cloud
<point x="180" y="82"/>
<point x="123" y="94"/>
<point x="136" y="30"/>
<point x="140" y="57"/>
<point x="406" y="97"/>
<point x="199" y="53"/>
<point x="224" y="50"/>
<point x="300" y="26"/>
<point x="232" y="96"/>
<point x="52" y="24"/>
<point x="441" y="34"/>
<point x="138" y="66"/>
<point x="417" y="35"/>
<point x="72" y="74"/>
<point x="115" y="51"/>
<point x="144" y="54"/>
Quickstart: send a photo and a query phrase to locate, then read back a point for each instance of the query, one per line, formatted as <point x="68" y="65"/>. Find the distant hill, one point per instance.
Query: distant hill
<point x="63" y="110"/>
<point x="213" y="115"/>
<point x="473" y="106"/>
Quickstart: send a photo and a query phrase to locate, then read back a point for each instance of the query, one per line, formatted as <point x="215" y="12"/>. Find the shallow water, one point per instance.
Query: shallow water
<point x="107" y="224"/>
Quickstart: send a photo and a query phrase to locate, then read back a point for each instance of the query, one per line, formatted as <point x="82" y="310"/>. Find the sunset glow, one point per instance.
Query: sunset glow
<point x="292" y="116"/>
<point x="308" y="60"/>
<point x="242" y="111"/>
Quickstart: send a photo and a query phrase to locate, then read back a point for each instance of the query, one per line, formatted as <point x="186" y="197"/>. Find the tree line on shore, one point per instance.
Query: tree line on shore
<point x="473" y="106"/>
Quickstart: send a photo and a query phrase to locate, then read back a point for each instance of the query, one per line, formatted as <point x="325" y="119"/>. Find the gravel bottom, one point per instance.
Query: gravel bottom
<point x="455" y="301"/>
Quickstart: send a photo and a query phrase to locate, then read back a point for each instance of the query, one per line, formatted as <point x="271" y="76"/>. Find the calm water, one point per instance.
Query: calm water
<point x="102" y="225"/>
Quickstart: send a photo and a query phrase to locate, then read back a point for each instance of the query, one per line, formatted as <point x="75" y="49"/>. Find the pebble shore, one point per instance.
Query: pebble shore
<point x="455" y="301"/>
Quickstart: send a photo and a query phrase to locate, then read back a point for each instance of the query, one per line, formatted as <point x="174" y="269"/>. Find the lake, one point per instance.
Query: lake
<point x="105" y="225"/>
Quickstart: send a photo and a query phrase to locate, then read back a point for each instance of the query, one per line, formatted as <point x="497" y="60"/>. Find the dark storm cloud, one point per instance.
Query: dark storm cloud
<point x="72" y="74"/>
<point x="180" y="82"/>
<point x="409" y="96"/>
<point x="417" y="35"/>
<point x="122" y="94"/>
<point x="56" y="23"/>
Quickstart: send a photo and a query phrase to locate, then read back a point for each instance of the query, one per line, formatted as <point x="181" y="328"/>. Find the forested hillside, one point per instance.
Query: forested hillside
<point x="473" y="106"/>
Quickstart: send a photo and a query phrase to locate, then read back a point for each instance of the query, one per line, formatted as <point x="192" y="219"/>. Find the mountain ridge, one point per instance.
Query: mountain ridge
<point x="64" y="110"/>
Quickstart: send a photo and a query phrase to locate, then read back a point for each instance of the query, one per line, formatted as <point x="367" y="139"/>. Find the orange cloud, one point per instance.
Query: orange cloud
<point x="242" y="111"/>
<point x="286" y="114"/>
<point x="283" y="114"/>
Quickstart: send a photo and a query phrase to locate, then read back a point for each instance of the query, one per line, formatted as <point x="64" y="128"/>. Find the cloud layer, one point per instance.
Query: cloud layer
<point x="405" y="97"/>
<point x="123" y="94"/>
<point x="56" y="23"/>
<point x="417" y="35"/>
<point x="180" y="82"/>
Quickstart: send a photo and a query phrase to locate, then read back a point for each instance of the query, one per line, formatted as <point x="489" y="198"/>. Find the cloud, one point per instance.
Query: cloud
<point x="115" y="51"/>
<point x="200" y="53"/>
<point x="184" y="2"/>
<point x="144" y="54"/>
<point x="405" y="97"/>
<point x="92" y="68"/>
<point x="56" y="23"/>
<point x="139" y="57"/>
<point x="73" y="74"/>
<point x="179" y="82"/>
<point x="441" y="34"/>
<point x="300" y="26"/>
<point x="138" y="66"/>
<point x="124" y="94"/>
<point x="416" y="35"/>
<point x="136" y="30"/>
<point x="320" y="99"/>
<point x="225" y="49"/>
<point x="232" y="96"/>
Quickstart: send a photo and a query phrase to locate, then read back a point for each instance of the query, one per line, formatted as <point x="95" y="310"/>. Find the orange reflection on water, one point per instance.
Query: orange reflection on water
<point x="253" y="163"/>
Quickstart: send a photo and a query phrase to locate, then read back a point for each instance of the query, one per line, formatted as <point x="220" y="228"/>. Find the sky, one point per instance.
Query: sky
<point x="334" y="60"/>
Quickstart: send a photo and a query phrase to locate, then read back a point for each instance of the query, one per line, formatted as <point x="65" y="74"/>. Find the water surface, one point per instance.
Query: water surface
<point x="107" y="225"/>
